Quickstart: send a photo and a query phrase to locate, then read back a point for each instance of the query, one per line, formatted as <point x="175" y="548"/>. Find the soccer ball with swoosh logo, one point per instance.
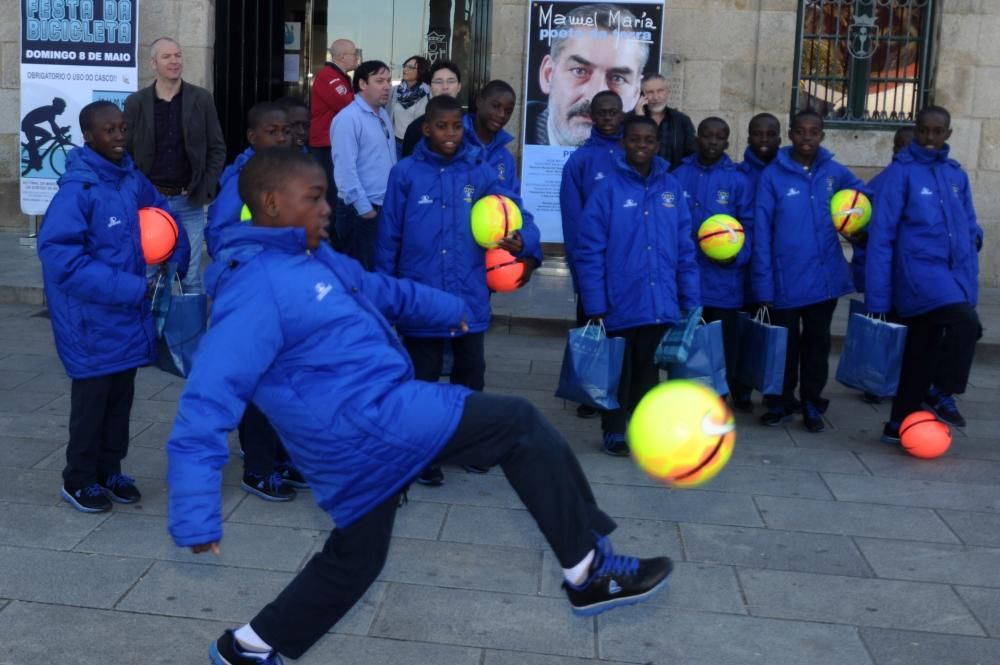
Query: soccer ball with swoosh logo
<point x="682" y="433"/>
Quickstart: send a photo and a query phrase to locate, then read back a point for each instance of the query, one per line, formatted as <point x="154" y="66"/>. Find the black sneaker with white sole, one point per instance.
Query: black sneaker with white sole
<point x="270" y="487"/>
<point x="615" y="580"/>
<point x="89" y="499"/>
<point x="227" y="651"/>
<point x="120" y="488"/>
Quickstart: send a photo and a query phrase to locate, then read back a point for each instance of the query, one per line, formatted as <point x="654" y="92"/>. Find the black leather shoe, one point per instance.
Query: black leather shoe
<point x="432" y="476"/>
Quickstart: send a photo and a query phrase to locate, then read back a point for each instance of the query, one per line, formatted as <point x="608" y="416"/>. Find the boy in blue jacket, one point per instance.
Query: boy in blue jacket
<point x="485" y="130"/>
<point x="713" y="185"/>
<point x="425" y="235"/>
<point x="763" y="141"/>
<point x="325" y="365"/>
<point x="267" y="474"/>
<point x="859" y="241"/>
<point x="636" y="265"/>
<point x="100" y="302"/>
<point x="585" y="168"/>
<point x="267" y="127"/>
<point x="922" y="261"/>
<point x="799" y="269"/>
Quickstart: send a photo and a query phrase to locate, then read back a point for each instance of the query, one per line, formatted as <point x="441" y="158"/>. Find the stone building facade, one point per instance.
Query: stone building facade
<point x="731" y="58"/>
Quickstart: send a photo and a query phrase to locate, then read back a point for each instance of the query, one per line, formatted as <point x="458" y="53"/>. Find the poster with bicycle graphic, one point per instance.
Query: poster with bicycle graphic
<point x="72" y="54"/>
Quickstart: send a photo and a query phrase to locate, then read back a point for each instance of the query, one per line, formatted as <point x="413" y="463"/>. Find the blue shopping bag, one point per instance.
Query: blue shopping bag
<point x="706" y="362"/>
<point x="872" y="356"/>
<point x="762" y="353"/>
<point x="676" y="342"/>
<point x="592" y="367"/>
<point x="180" y="319"/>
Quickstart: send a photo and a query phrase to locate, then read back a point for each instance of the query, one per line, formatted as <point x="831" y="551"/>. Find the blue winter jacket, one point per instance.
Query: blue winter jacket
<point x="752" y="166"/>
<point x="713" y="190"/>
<point x="496" y="153"/>
<point x="584" y="170"/>
<point x="93" y="266"/>
<point x="224" y="212"/>
<point x="307" y="337"/>
<point x="425" y="233"/>
<point x="635" y="256"/>
<point x="923" y="237"/>
<point x="859" y="252"/>
<point x="797" y="259"/>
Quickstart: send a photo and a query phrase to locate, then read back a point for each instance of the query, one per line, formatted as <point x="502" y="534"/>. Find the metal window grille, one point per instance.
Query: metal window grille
<point x="863" y="62"/>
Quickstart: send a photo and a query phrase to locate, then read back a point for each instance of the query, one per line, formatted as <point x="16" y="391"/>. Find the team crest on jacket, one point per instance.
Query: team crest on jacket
<point x="502" y="171"/>
<point x="668" y="199"/>
<point x="469" y="191"/>
<point x="954" y="188"/>
<point x="829" y="184"/>
<point x="722" y="197"/>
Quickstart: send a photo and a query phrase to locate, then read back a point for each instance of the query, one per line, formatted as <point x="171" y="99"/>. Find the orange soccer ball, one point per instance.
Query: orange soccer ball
<point x="924" y="436"/>
<point x="158" y="232"/>
<point x="503" y="271"/>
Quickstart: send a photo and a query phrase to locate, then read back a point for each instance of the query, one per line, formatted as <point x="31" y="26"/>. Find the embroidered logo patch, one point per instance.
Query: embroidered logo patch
<point x="469" y="191"/>
<point x="668" y="199"/>
<point x="322" y="289"/>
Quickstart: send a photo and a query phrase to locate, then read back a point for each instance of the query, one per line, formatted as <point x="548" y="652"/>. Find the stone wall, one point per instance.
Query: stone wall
<point x="191" y="22"/>
<point x="735" y="58"/>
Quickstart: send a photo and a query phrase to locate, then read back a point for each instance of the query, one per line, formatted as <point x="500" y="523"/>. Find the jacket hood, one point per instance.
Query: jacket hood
<point x="914" y="153"/>
<point x="596" y="138"/>
<point x="234" y="169"/>
<point x="467" y="152"/>
<point x="722" y="163"/>
<point x="750" y="156"/>
<point x="659" y="167"/>
<point x="784" y="158"/>
<point x="242" y="242"/>
<point x="85" y="165"/>
<point x="502" y="138"/>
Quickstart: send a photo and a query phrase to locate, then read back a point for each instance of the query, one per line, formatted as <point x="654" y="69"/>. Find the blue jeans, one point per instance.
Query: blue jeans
<point x="356" y="235"/>
<point x="192" y="218"/>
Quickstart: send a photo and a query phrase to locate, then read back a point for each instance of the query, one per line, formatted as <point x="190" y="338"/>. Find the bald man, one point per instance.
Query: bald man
<point x="331" y="92"/>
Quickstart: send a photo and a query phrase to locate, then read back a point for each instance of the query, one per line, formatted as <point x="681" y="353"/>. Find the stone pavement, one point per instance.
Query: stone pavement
<point x="808" y="549"/>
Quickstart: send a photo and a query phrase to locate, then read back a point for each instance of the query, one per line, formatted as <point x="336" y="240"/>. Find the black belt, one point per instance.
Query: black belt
<point x="170" y="191"/>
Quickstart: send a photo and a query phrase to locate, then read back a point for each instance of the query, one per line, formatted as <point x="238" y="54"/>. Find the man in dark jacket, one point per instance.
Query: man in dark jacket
<point x="176" y="141"/>
<point x="676" y="131"/>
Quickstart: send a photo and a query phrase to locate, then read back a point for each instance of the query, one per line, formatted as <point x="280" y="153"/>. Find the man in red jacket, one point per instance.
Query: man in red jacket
<point x="331" y="92"/>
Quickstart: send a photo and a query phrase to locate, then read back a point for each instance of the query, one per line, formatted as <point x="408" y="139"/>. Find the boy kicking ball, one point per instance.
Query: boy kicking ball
<point x="354" y="420"/>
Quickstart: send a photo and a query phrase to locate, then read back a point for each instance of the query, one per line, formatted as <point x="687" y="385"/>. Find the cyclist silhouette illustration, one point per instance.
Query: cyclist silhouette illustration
<point x="37" y="136"/>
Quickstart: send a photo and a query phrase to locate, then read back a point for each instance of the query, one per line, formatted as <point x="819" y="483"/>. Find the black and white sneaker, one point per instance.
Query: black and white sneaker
<point x="120" y="488"/>
<point x="291" y="476"/>
<point x="89" y="499"/>
<point x="616" y="580"/>
<point x="227" y="651"/>
<point x="270" y="487"/>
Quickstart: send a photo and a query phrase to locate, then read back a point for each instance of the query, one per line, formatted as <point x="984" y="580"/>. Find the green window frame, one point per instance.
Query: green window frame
<point x="864" y="63"/>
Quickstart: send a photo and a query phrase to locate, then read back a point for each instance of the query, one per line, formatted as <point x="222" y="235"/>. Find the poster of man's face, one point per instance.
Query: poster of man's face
<point x="577" y="50"/>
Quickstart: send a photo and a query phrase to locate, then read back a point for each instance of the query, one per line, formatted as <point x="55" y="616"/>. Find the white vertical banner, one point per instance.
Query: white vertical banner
<point x="73" y="52"/>
<point x="575" y="50"/>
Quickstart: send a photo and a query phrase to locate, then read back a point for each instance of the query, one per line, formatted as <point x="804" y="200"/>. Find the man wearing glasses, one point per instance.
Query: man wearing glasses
<point x="331" y="92"/>
<point x="364" y="151"/>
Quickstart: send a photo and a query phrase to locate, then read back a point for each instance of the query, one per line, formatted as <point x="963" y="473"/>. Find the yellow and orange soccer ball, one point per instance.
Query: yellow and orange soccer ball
<point x="850" y="210"/>
<point x="682" y="433"/>
<point x="493" y="217"/>
<point x="721" y="237"/>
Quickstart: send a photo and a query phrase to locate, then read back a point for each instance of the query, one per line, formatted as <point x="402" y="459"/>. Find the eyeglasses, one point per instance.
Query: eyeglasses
<point x="409" y="65"/>
<point x="385" y="130"/>
<point x="444" y="81"/>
